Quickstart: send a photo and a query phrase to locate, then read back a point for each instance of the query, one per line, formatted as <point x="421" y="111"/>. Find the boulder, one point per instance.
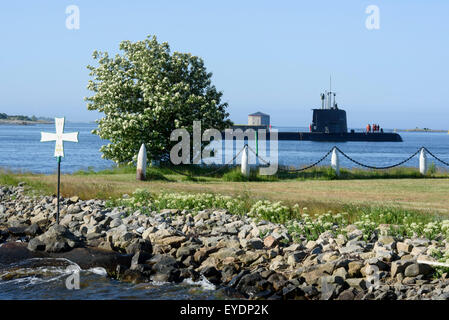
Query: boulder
<point x="416" y="269"/>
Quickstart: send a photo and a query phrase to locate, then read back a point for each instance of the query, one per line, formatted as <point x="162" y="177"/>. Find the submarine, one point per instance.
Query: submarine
<point x="329" y="124"/>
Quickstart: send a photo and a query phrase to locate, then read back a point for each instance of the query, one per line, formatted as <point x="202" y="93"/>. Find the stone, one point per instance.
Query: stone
<point x="277" y="280"/>
<point x="33" y="230"/>
<point x="416" y="269"/>
<point x="270" y="242"/>
<point x="341" y="272"/>
<point x="350" y="249"/>
<point x="173" y="241"/>
<point x="212" y="274"/>
<point x="404" y="247"/>
<point x="398" y="267"/>
<point x="133" y="276"/>
<point x="416" y="251"/>
<point x="295" y="257"/>
<point x="183" y="252"/>
<point x="357" y="283"/>
<point x="386" y="240"/>
<point x="139" y="245"/>
<point x="354" y="268"/>
<point x="36" y="245"/>
<point x="255" y="243"/>
<point x="59" y="239"/>
<point x="328" y="291"/>
<point x="348" y="294"/>
<point x="74" y="199"/>
<point x="140" y="257"/>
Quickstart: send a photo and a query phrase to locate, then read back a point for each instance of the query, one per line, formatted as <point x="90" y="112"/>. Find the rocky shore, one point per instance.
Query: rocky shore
<point x="243" y="257"/>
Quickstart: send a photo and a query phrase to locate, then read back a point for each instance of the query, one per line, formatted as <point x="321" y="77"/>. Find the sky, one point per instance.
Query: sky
<point x="269" y="56"/>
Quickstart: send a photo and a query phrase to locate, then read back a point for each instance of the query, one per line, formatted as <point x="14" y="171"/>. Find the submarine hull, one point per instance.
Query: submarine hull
<point x="342" y="137"/>
<point x="326" y="137"/>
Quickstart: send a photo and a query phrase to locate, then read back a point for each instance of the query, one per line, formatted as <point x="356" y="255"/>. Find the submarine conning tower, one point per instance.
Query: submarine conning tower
<point x="329" y="118"/>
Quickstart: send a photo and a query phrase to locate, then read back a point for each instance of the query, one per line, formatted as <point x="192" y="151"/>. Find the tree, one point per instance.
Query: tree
<point x="145" y="93"/>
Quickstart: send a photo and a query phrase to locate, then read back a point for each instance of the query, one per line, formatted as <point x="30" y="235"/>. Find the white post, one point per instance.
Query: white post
<point x="244" y="165"/>
<point x="335" y="163"/>
<point x="423" y="162"/>
<point x="141" y="163"/>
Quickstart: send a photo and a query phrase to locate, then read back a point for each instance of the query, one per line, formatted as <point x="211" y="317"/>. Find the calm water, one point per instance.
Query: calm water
<point x="20" y="149"/>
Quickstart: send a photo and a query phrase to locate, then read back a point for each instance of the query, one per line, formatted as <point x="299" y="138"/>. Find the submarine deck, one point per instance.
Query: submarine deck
<point x="336" y="137"/>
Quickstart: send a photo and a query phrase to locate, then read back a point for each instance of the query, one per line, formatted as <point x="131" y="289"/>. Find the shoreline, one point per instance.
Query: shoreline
<point x="245" y="257"/>
<point x="24" y="122"/>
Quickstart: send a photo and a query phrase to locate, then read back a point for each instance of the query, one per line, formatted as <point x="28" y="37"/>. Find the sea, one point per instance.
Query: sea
<point x="22" y="151"/>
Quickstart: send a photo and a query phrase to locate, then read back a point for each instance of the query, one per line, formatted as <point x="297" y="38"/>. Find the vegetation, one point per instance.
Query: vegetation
<point x="146" y="93"/>
<point x="4" y="116"/>
<point x="306" y="204"/>
<point x="317" y="189"/>
<point x="300" y="223"/>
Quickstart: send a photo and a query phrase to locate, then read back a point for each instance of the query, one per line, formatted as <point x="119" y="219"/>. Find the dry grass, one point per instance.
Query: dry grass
<point x="318" y="195"/>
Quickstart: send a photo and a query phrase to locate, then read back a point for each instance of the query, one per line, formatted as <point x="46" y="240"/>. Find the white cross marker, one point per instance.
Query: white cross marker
<point x="59" y="137"/>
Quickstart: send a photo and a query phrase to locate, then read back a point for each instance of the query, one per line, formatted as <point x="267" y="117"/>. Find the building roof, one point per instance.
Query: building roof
<point x="258" y="114"/>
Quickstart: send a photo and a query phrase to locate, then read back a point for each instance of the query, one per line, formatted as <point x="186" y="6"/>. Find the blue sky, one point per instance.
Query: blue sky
<point x="270" y="56"/>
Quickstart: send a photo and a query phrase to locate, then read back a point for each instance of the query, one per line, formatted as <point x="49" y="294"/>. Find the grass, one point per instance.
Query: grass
<point x="318" y="189"/>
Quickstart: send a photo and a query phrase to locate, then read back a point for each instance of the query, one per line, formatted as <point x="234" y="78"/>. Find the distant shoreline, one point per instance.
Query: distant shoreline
<point x="24" y="122"/>
<point x="421" y="130"/>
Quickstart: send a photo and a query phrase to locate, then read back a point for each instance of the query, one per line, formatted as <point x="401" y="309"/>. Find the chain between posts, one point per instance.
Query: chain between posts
<point x="435" y="157"/>
<point x="373" y="167"/>
<point x="315" y="163"/>
<point x="209" y="173"/>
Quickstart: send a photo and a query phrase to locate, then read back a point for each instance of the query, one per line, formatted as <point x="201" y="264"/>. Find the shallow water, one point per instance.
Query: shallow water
<point x="46" y="279"/>
<point x="21" y="149"/>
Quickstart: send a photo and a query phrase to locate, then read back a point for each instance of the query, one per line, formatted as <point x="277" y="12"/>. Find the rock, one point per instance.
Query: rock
<point x="74" y="199"/>
<point x="270" y="242"/>
<point x="59" y="239"/>
<point x="341" y="272"/>
<point x="416" y="269"/>
<point x="296" y="257"/>
<point x="140" y="257"/>
<point x="354" y="268"/>
<point x="277" y="280"/>
<point x="174" y="241"/>
<point x="252" y="284"/>
<point x="255" y="244"/>
<point x="33" y="230"/>
<point x="36" y="245"/>
<point x="328" y="291"/>
<point x="133" y="276"/>
<point x="115" y="223"/>
<point x="386" y="240"/>
<point x="17" y="231"/>
<point x="350" y="249"/>
<point x="292" y="292"/>
<point x="404" y="247"/>
<point x="212" y="274"/>
<point x="348" y="294"/>
<point x="183" y="252"/>
<point x="139" y="245"/>
<point x="235" y="280"/>
<point x="357" y="283"/>
<point x="398" y="267"/>
<point x="416" y="251"/>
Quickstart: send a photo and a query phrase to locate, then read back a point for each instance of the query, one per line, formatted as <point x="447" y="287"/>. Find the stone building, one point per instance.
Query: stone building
<point x="259" y="119"/>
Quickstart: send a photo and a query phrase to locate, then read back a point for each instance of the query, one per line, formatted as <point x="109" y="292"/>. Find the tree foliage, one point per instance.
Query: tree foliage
<point x="145" y="93"/>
